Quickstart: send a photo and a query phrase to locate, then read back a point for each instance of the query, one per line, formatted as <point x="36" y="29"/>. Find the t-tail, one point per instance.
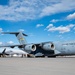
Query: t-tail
<point x="19" y="35"/>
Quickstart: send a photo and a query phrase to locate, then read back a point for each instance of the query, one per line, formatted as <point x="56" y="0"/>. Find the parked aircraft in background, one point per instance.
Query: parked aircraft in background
<point x="3" y="53"/>
<point x="16" y="53"/>
<point x="13" y="52"/>
<point x="49" y="49"/>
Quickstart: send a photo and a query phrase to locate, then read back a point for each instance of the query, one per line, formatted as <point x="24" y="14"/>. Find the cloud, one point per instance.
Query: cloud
<point x="10" y="42"/>
<point x="50" y="25"/>
<point x="74" y="28"/>
<point x="71" y="16"/>
<point x="54" y="20"/>
<point x="22" y="10"/>
<point x="22" y="30"/>
<point x="7" y="43"/>
<point x="1" y="43"/>
<point x="31" y="34"/>
<point x="60" y="37"/>
<point x="1" y="29"/>
<point x="61" y="6"/>
<point x="39" y="25"/>
<point x="60" y="29"/>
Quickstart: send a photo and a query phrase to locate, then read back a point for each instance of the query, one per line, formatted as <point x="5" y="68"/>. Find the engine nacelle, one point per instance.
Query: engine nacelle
<point x="30" y="47"/>
<point x="48" y="46"/>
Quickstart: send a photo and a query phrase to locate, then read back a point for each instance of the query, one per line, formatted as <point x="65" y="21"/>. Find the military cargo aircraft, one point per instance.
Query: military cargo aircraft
<point x="49" y="49"/>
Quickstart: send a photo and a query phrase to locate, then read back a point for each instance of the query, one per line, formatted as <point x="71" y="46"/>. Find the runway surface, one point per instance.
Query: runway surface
<point x="37" y="66"/>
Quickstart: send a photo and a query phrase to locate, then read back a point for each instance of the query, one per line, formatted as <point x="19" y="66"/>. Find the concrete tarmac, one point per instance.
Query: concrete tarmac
<point x="37" y="66"/>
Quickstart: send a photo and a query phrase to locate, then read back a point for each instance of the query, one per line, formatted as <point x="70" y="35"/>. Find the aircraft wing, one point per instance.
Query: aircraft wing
<point x="43" y="48"/>
<point x="44" y="45"/>
<point x="12" y="46"/>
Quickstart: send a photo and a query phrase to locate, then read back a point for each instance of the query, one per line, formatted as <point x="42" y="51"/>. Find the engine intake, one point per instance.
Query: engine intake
<point x="30" y="47"/>
<point x="48" y="46"/>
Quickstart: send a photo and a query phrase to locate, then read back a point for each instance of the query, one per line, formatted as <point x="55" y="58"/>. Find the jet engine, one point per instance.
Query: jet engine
<point x="30" y="47"/>
<point x="48" y="46"/>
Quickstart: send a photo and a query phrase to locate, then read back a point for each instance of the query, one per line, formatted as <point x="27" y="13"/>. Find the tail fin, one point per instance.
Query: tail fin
<point x="4" y="51"/>
<point x="19" y="35"/>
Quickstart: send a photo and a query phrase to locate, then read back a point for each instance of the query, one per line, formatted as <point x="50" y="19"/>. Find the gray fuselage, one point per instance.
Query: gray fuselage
<point x="65" y="48"/>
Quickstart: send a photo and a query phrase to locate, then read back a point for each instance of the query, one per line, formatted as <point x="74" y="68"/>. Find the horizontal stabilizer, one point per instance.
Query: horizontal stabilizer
<point x="19" y="35"/>
<point x="16" y="33"/>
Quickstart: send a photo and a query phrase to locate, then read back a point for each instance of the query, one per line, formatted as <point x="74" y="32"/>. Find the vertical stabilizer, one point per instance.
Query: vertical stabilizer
<point x="4" y="51"/>
<point x="20" y="37"/>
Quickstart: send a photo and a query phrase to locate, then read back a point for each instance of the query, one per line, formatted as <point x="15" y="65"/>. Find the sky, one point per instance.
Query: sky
<point x="41" y="20"/>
